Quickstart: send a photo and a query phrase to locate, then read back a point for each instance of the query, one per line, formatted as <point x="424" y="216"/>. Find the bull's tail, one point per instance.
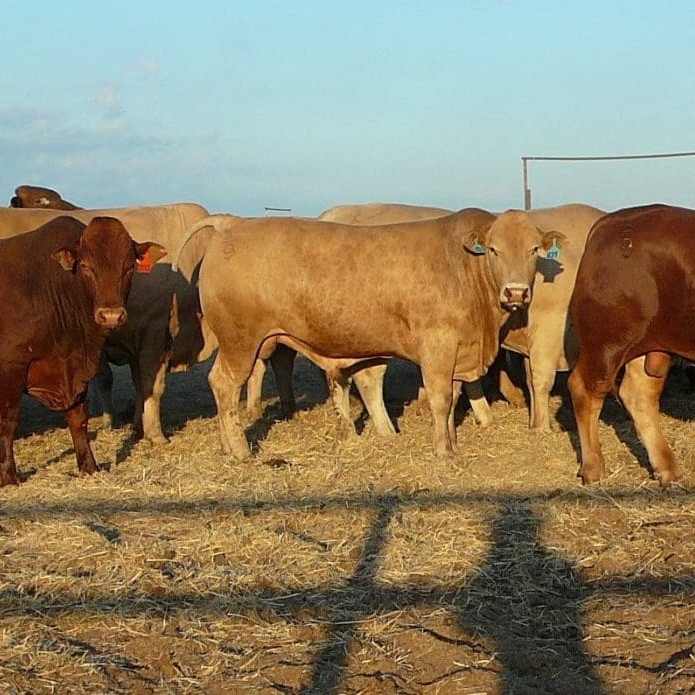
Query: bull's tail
<point x="212" y="223"/>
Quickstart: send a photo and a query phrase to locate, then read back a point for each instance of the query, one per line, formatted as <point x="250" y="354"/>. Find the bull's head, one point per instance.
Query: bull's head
<point x="512" y="244"/>
<point x="104" y="260"/>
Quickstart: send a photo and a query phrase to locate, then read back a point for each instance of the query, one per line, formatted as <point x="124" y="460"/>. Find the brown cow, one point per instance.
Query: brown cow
<point x="163" y="331"/>
<point x="64" y="287"/>
<point x="632" y="307"/>
<point x="39" y="197"/>
<point x="435" y="292"/>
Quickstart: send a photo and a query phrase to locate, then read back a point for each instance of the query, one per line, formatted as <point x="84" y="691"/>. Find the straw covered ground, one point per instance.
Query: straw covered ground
<point x="359" y="565"/>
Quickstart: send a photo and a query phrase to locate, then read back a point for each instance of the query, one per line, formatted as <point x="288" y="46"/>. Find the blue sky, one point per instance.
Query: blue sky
<point x="304" y="104"/>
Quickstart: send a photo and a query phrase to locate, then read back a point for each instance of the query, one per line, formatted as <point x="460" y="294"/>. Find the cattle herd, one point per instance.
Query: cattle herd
<point x="609" y="296"/>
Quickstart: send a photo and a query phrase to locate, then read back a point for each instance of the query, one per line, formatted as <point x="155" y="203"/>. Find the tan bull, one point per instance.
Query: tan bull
<point x="543" y="338"/>
<point x="540" y="334"/>
<point x="435" y="292"/>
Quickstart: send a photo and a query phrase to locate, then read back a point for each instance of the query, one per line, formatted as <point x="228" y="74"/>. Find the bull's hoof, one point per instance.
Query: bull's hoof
<point x="89" y="469"/>
<point x="484" y="421"/>
<point x="345" y="431"/>
<point x="12" y="479"/>
<point x="238" y="449"/>
<point x="589" y="476"/>
<point x="252" y="415"/>
<point x="157" y="439"/>
<point x="666" y="477"/>
<point x="447" y="452"/>
<point x="516" y="401"/>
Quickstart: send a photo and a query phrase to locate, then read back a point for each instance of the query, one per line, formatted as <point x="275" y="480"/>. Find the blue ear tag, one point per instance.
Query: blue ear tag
<point x="553" y="252"/>
<point x="478" y="247"/>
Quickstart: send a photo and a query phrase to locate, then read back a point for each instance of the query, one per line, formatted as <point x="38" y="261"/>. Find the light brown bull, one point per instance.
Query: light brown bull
<point x="435" y="292"/>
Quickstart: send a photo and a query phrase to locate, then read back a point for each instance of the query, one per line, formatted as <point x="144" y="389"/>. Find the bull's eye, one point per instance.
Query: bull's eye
<point x="494" y="250"/>
<point x="534" y="251"/>
<point x="86" y="268"/>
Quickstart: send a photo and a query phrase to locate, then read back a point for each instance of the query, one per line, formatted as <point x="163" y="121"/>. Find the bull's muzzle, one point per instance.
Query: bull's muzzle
<point x="110" y="317"/>
<point x="515" y="296"/>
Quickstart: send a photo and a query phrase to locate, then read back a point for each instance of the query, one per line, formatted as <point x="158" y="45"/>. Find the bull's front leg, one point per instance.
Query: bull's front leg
<point x="479" y="405"/>
<point x="149" y="380"/>
<point x="77" y="418"/>
<point x="10" y="403"/>
<point x="437" y="375"/>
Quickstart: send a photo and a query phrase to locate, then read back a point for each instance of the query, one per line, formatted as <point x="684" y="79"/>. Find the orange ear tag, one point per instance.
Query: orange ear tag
<point x="145" y="264"/>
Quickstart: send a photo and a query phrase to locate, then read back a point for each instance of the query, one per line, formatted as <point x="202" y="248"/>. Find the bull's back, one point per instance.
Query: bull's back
<point x="381" y="213"/>
<point x="15" y="221"/>
<point x="301" y="277"/>
<point x="165" y="224"/>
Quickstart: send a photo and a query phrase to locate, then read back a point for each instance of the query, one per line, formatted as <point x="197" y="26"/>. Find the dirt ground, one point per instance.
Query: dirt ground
<point x="358" y="565"/>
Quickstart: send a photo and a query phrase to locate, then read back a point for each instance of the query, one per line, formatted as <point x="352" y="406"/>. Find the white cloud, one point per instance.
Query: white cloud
<point x="101" y="164"/>
<point x="107" y="99"/>
<point x="148" y="69"/>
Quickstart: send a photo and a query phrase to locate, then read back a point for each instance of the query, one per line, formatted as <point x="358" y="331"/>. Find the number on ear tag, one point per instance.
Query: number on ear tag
<point x="553" y="252"/>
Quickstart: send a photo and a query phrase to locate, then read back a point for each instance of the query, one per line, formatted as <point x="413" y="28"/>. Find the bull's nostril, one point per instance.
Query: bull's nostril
<point x="507" y="293"/>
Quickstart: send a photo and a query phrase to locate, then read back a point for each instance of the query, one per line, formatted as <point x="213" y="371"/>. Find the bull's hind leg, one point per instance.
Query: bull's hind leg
<point x="226" y="379"/>
<point x="339" y="387"/>
<point x="254" y="389"/>
<point x="77" y="418"/>
<point x="507" y="388"/>
<point x="103" y="383"/>
<point x="588" y="396"/>
<point x="455" y="395"/>
<point x="640" y="393"/>
<point x="282" y="362"/>
<point x="152" y="405"/>
<point x="370" y="384"/>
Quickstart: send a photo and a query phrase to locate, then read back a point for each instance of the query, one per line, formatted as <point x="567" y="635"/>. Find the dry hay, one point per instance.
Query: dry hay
<point x="360" y="565"/>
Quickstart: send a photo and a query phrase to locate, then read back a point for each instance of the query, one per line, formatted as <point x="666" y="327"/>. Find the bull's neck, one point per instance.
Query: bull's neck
<point x="72" y="313"/>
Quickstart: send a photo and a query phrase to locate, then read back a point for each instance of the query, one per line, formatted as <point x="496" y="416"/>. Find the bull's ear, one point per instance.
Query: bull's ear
<point x="549" y="239"/>
<point x="473" y="243"/>
<point x="66" y="258"/>
<point x="147" y="254"/>
<point x="551" y="243"/>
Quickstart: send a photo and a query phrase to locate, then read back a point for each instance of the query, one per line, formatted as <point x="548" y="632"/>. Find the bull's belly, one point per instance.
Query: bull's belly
<point x="334" y="354"/>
